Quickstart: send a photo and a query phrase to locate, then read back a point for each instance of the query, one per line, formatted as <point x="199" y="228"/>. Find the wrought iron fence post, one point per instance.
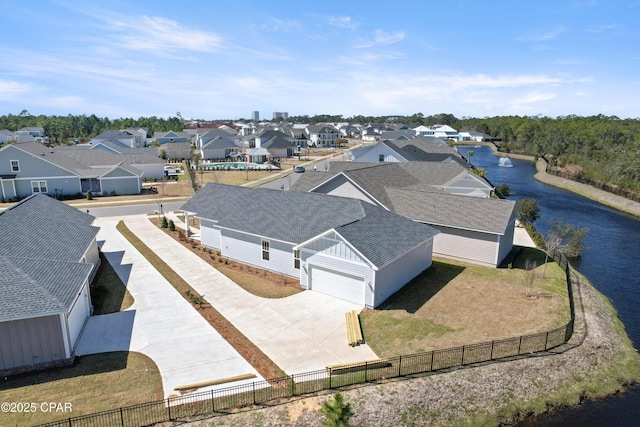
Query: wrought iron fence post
<point x="293" y="386"/>
<point x="366" y="368"/>
<point x="121" y="418"/>
<point x="330" y="373"/>
<point x="546" y="340"/>
<point x="254" y="392"/>
<point x="400" y="366"/>
<point x="213" y="403"/>
<point x="462" y="358"/>
<point x="493" y="343"/>
<point x="431" y="366"/>
<point x="519" y="345"/>
<point x="169" y="409"/>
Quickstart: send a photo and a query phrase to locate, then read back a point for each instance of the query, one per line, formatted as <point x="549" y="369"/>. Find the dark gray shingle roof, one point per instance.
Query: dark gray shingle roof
<point x="471" y="213"/>
<point x="33" y="287"/>
<point x="296" y="217"/>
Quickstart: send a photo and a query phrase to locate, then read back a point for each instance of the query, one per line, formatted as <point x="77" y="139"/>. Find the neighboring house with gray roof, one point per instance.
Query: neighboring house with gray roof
<point x="48" y="257"/>
<point x="28" y="168"/>
<point x="343" y="247"/>
<point x="171" y="136"/>
<point x="417" y="149"/>
<point x="474" y="229"/>
<point x="323" y="135"/>
<point x="6" y="136"/>
<point x="130" y="139"/>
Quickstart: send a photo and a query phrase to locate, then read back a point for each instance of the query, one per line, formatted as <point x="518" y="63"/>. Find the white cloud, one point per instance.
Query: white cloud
<point x="542" y="36"/>
<point x="281" y="25"/>
<point x="161" y="35"/>
<point x="11" y="89"/>
<point x="382" y="37"/>
<point x="533" y="97"/>
<point x="343" y="22"/>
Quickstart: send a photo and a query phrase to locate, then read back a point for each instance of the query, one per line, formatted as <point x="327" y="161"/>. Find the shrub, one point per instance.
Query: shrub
<point x="172" y="226"/>
<point x="89" y="195"/>
<point x="164" y="223"/>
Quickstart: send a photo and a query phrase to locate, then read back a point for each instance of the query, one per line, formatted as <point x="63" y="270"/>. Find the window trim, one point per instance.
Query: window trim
<point x="381" y="157"/>
<point x="40" y="185"/>
<point x="17" y="165"/>
<point x="265" y="250"/>
<point x="296" y="259"/>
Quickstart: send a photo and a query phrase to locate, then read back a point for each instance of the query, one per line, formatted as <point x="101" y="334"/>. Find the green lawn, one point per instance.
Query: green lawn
<point x="453" y="304"/>
<point x="95" y="383"/>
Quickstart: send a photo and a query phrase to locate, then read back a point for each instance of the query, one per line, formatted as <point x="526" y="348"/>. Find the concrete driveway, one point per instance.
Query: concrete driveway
<point x="160" y="324"/>
<point x="301" y="333"/>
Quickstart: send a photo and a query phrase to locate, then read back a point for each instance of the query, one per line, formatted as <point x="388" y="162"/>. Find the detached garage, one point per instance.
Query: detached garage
<point x="342" y="247"/>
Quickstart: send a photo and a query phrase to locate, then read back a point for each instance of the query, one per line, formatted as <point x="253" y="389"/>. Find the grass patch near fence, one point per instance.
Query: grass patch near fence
<point x="94" y="383"/>
<point x="453" y="304"/>
<point x="108" y="293"/>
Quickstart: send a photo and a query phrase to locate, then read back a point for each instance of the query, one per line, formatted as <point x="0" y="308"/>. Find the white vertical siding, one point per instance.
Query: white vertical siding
<point x="392" y="277"/>
<point x="466" y="245"/>
<point x="310" y="258"/>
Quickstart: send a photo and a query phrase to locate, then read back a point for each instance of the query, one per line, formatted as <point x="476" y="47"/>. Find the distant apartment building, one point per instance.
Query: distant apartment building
<point x="255" y="116"/>
<point x="280" y="115"/>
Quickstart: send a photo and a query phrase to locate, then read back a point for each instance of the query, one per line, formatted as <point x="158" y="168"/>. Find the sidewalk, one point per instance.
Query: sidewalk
<point x="160" y="324"/>
<point x="300" y="333"/>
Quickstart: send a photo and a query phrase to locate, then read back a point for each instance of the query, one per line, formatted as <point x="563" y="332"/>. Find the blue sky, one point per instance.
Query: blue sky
<point x="224" y="59"/>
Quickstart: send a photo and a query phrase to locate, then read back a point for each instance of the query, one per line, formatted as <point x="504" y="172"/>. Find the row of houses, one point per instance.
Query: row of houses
<point x="362" y="229"/>
<point x="359" y="231"/>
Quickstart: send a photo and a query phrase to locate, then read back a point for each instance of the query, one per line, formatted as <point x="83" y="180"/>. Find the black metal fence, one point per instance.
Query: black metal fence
<point x="184" y="408"/>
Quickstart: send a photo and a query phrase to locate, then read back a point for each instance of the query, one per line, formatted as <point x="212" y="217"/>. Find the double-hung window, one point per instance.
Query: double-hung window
<point x="265" y="250"/>
<point x="15" y="166"/>
<point x="296" y="259"/>
<point x="39" y="186"/>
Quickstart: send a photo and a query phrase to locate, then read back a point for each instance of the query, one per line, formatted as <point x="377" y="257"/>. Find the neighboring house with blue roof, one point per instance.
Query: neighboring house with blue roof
<point x="30" y="167"/>
<point x="48" y="257"/>
<point x="347" y="248"/>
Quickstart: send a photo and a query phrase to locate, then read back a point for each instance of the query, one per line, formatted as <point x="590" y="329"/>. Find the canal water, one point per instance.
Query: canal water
<point x="611" y="262"/>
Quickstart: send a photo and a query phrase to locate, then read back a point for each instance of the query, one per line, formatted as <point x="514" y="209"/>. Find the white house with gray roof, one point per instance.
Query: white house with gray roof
<point x="48" y="257"/>
<point x="342" y="247"/>
<point x="473" y="227"/>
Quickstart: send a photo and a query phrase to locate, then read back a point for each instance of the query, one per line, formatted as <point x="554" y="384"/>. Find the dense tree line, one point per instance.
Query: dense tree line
<point x="62" y="129"/>
<point x="606" y="147"/>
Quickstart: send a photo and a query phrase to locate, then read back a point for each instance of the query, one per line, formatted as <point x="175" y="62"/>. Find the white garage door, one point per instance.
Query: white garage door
<point x="78" y="316"/>
<point x="338" y="284"/>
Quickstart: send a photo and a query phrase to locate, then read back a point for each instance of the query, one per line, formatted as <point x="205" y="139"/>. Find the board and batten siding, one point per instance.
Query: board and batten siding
<point x="466" y="245"/>
<point x="331" y="253"/>
<point x="395" y="275"/>
<point x="210" y="234"/>
<point x="29" y="342"/>
<point x="247" y="248"/>
<point x="342" y="187"/>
